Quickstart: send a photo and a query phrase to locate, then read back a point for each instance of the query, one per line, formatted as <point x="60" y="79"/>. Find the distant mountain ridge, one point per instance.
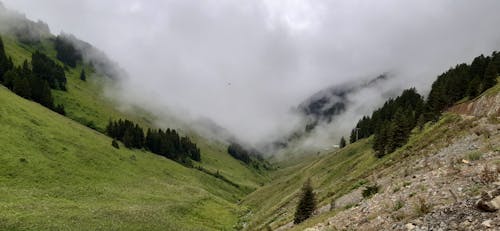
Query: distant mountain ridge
<point x="332" y="101"/>
<point x="327" y="104"/>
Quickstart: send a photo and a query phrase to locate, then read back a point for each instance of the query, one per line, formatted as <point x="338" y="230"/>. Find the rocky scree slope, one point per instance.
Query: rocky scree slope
<point x="440" y="181"/>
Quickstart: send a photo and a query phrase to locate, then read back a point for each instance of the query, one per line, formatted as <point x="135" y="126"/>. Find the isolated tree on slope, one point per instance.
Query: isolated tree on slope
<point x="342" y="142"/>
<point x="307" y="203"/>
<point x="83" y="76"/>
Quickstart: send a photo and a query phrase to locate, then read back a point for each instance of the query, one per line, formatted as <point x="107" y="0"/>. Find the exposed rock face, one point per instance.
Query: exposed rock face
<point x="484" y="106"/>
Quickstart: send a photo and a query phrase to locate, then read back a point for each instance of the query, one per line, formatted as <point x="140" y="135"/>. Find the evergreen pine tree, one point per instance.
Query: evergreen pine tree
<point x="352" y="138"/>
<point x="380" y="141"/>
<point x="60" y="109"/>
<point x="401" y="130"/>
<point x="490" y="76"/>
<point x="21" y="86"/>
<point x="83" y="76"/>
<point x="421" y="121"/>
<point x="342" y="142"/>
<point x="4" y="61"/>
<point x="114" y="143"/>
<point x="474" y="87"/>
<point x="128" y="138"/>
<point x="46" y="98"/>
<point x="307" y="203"/>
<point x="9" y="78"/>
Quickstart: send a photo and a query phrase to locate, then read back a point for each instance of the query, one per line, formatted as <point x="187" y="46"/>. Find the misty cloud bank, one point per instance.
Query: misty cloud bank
<point x="246" y="65"/>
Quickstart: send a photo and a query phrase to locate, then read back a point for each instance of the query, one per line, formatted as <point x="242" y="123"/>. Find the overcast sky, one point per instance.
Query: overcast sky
<point x="244" y="64"/>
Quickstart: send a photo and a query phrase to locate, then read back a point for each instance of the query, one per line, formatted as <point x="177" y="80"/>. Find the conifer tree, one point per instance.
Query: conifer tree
<point x="9" y="79"/>
<point x="60" y="109"/>
<point x="5" y="63"/>
<point x="342" y="142"/>
<point x="83" y="76"/>
<point x="490" y="76"/>
<point x="128" y="138"/>
<point x="21" y="86"/>
<point x="352" y="137"/>
<point x="46" y="98"/>
<point x="307" y="203"/>
<point x="114" y="143"/>
<point x="380" y="141"/>
<point x="474" y="87"/>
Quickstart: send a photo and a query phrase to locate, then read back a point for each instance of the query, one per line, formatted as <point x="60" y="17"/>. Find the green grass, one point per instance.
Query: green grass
<point x="86" y="103"/>
<point x="58" y="174"/>
<point x="332" y="176"/>
<point x="336" y="174"/>
<point x="473" y="156"/>
<point x="494" y="90"/>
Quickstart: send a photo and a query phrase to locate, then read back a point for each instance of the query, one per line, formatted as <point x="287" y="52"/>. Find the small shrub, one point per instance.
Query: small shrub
<point x="453" y="166"/>
<point x="473" y="156"/>
<point x="370" y="190"/>
<point x="348" y="206"/>
<point x="359" y="184"/>
<point x="488" y="175"/>
<point x="90" y="124"/>
<point x="493" y="119"/>
<point x="60" y="109"/>
<point x="398" y="205"/>
<point x="422" y="207"/>
<point x="398" y="216"/>
<point x="23" y="160"/>
<point x="114" y="143"/>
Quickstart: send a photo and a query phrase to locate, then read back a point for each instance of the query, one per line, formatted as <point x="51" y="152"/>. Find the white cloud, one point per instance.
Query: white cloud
<point x="244" y="64"/>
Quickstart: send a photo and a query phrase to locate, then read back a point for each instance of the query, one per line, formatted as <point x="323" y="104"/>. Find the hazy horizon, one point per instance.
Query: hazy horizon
<point x="246" y="65"/>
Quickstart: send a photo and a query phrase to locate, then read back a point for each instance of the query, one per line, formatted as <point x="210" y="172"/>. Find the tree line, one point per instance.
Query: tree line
<point x="392" y="123"/>
<point x="167" y="143"/>
<point x="239" y="153"/>
<point x="33" y="81"/>
<point x="250" y="157"/>
<point x="66" y="51"/>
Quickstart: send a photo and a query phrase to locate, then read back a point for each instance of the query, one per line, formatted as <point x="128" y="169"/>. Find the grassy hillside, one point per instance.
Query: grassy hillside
<point x="58" y="174"/>
<point x="333" y="175"/>
<point x="85" y="103"/>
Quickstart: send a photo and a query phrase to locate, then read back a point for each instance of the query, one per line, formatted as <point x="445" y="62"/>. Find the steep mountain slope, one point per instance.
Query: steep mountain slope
<point x="330" y="102"/>
<point x="62" y="173"/>
<point x="86" y="103"/>
<point x="416" y="175"/>
<point x="58" y="174"/>
<point x="329" y="107"/>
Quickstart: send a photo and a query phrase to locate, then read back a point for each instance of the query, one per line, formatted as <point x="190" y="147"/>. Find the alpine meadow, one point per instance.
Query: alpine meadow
<point x="259" y="115"/>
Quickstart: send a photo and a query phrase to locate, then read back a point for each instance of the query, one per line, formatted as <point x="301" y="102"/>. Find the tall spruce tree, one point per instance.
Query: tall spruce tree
<point x="490" y="76"/>
<point x="21" y="86"/>
<point x="307" y="203"/>
<point x="5" y="63"/>
<point x="9" y="78"/>
<point x="83" y="76"/>
<point x="342" y="142"/>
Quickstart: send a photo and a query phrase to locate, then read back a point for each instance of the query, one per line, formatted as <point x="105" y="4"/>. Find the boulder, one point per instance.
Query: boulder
<point x="490" y="201"/>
